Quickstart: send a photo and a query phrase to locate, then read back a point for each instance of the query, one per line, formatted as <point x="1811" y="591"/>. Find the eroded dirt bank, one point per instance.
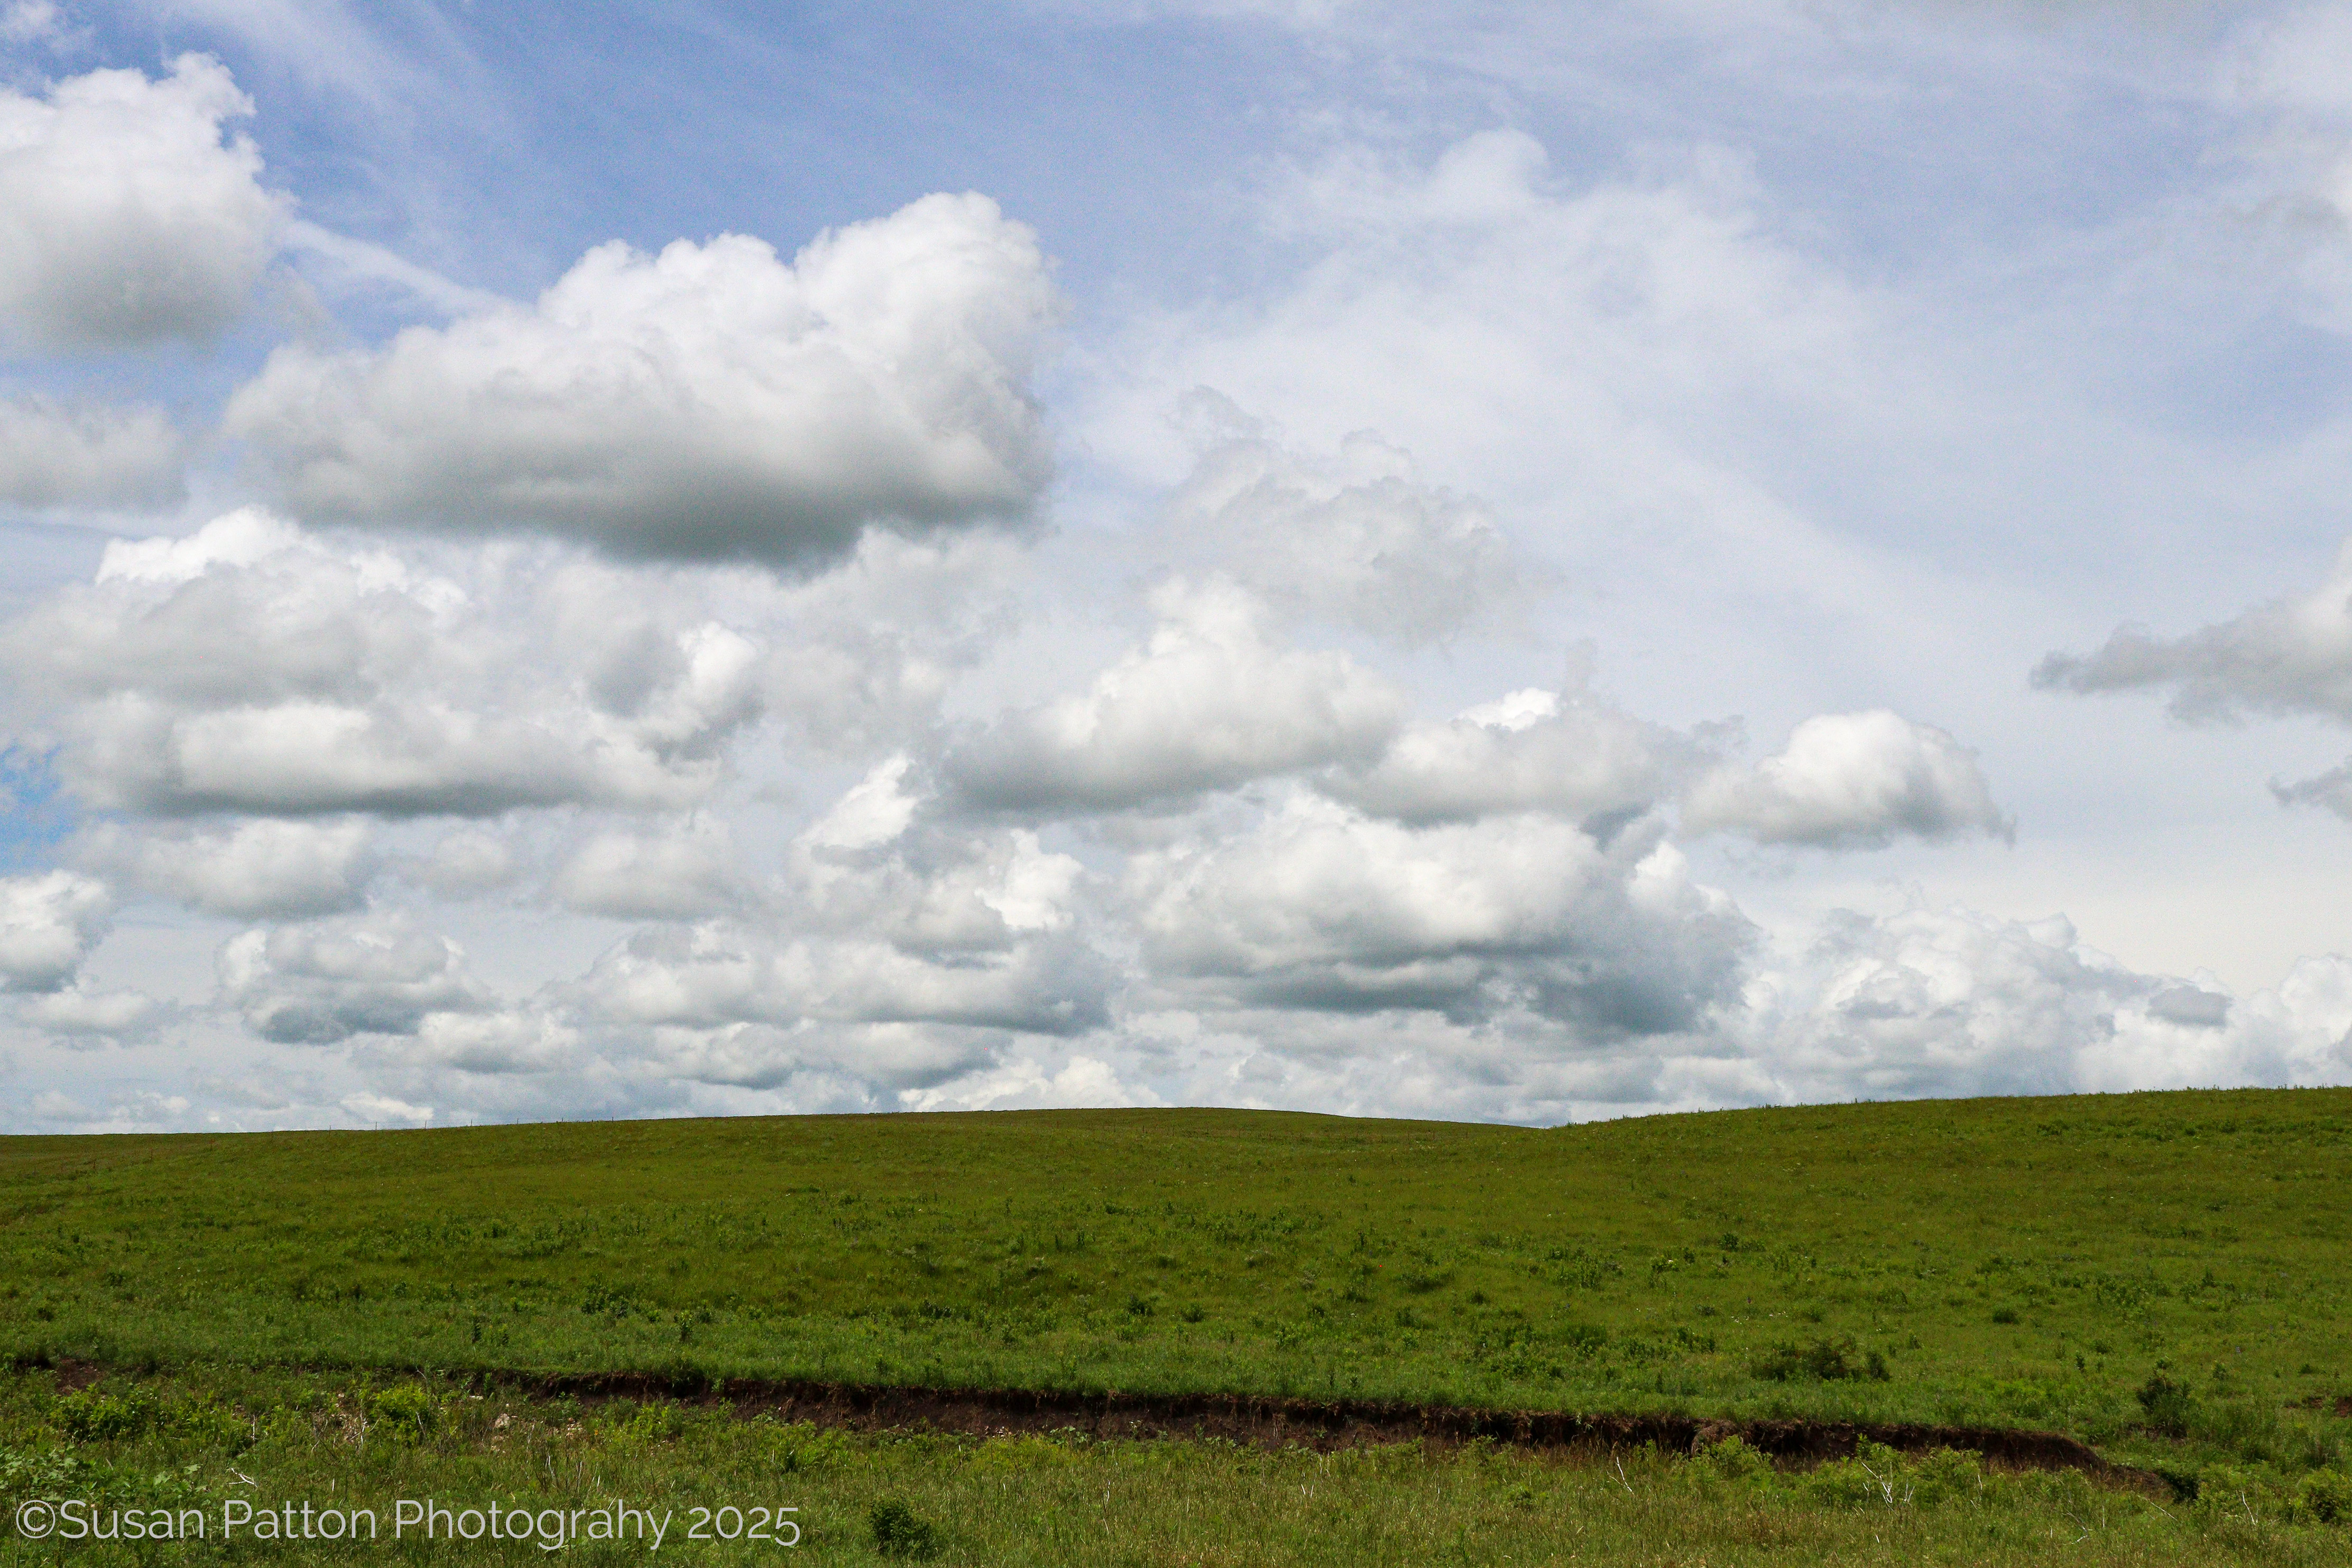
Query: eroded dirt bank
<point x="1274" y="1422"/>
<point x="1323" y="1424"/>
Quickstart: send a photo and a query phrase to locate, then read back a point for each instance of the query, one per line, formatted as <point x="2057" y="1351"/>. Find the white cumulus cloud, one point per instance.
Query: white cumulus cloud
<point x="1321" y="907"/>
<point x="716" y="974"/>
<point x="1208" y="702"/>
<point x="48" y="922"/>
<point x="125" y="217"/>
<point x="253" y="667"/>
<point x="322" y="983"/>
<point x="1851" y="780"/>
<point x="83" y="1014"/>
<point x="1566" y="752"/>
<point x="259" y="870"/>
<point x="711" y="403"/>
<point x="1950" y="1002"/>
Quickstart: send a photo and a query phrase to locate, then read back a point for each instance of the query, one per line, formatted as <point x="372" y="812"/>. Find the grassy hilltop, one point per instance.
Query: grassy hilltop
<point x="2013" y="1261"/>
<point x="2165" y="1275"/>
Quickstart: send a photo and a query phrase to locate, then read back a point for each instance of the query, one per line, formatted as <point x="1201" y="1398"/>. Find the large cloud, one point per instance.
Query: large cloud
<point x="251" y="870"/>
<point x="1567" y="753"/>
<point x="1208" y="702"/>
<point x="893" y="951"/>
<point x="251" y="667"/>
<point x="322" y="985"/>
<point x="1321" y="908"/>
<point x="869" y="868"/>
<point x="59" y="454"/>
<point x="1946" y="1002"/>
<point x="1851" y="780"/>
<point x="124" y="216"/>
<point x="84" y="1016"/>
<point x="712" y="402"/>
<point x="48" y="924"/>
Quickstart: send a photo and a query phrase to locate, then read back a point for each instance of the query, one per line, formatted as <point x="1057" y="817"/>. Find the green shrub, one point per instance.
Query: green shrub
<point x="92" y="1417"/>
<point x="1874" y="1478"/>
<point x="656" y="1423"/>
<point x="1012" y="1454"/>
<point x="1948" y="1474"/>
<point x="898" y="1532"/>
<point x="404" y="1412"/>
<point x="2169" y="1406"/>
<point x="2229" y="1492"/>
<point x="801" y="1447"/>
<point x="2325" y="1498"/>
<point x="1735" y="1460"/>
<point x="615" y="1304"/>
<point x="1826" y="1361"/>
<point x="89" y="1416"/>
<point x="1878" y="1477"/>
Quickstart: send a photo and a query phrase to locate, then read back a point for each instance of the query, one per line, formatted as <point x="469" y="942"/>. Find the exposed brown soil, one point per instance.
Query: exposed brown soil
<point x="1322" y="1425"/>
<point x="1326" y="1423"/>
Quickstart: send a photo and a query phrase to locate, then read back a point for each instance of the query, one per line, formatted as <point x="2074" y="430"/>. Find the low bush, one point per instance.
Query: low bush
<point x="91" y="1417"/>
<point x="799" y="1447"/>
<point x="2169" y="1405"/>
<point x="1949" y="1475"/>
<point x="1874" y="1478"/>
<point x="1735" y="1460"/>
<point x="899" y="1532"/>
<point x="1826" y="1361"/>
<point x="88" y="1416"/>
<point x="1011" y="1454"/>
<point x="404" y="1412"/>
<point x="2324" y="1497"/>
<point x="656" y="1423"/>
<point x="1879" y="1476"/>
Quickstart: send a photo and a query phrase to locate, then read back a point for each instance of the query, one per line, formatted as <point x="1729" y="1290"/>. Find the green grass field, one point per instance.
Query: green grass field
<point x="179" y="1444"/>
<point x="2166" y="1276"/>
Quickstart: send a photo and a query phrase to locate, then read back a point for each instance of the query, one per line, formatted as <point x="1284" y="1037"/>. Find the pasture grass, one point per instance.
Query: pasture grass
<point x="191" y="1442"/>
<point x="2163" y="1275"/>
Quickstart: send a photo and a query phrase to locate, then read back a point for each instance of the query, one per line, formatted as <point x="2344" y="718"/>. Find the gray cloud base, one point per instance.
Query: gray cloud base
<point x="54" y="454"/>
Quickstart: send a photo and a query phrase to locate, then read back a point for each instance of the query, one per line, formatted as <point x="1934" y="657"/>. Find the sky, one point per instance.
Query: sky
<point x="1471" y="561"/>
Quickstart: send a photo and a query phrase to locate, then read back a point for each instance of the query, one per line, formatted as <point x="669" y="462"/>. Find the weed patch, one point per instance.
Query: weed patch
<point x="898" y="1532"/>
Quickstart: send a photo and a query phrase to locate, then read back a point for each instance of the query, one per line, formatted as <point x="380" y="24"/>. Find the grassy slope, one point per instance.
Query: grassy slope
<point x="1626" y="1264"/>
<point x="197" y="1441"/>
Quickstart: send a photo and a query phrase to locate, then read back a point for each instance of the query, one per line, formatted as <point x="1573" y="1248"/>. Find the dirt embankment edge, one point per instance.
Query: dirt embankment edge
<point x="1269" y="1422"/>
<point x="1321" y="1424"/>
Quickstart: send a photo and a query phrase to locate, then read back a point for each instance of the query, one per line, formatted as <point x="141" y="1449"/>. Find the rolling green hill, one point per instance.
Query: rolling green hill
<point x="302" y="1316"/>
<point x="2026" y="1262"/>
